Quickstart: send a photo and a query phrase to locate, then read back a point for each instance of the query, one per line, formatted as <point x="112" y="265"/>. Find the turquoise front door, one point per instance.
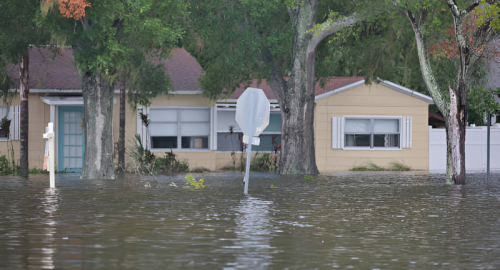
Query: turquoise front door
<point x="70" y="147"/>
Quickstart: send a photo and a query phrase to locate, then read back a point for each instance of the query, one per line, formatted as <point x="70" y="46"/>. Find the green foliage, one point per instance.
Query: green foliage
<point x="170" y="164"/>
<point x="142" y="158"/>
<point x="234" y="40"/>
<point x="37" y="171"/>
<point x="194" y="184"/>
<point x="370" y="166"/>
<point x="147" y="81"/>
<point x="200" y="170"/>
<point x="267" y="162"/>
<point x="309" y="178"/>
<point x="488" y="14"/>
<point x="7" y="164"/>
<point x="397" y="166"/>
<point x="381" y="48"/>
<point x="20" y="28"/>
<point x="124" y="40"/>
<point x="480" y="101"/>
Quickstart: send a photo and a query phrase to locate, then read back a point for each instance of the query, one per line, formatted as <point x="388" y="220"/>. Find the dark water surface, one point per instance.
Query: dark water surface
<point x="346" y="221"/>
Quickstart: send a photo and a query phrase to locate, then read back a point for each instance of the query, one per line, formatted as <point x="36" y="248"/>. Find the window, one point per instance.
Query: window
<point x="10" y="122"/>
<point x="372" y="132"/>
<point x="270" y="138"/>
<point x="179" y="128"/>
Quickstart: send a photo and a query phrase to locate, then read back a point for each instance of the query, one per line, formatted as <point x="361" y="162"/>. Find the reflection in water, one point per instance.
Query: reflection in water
<point x="351" y="221"/>
<point x="253" y="234"/>
<point x="50" y="205"/>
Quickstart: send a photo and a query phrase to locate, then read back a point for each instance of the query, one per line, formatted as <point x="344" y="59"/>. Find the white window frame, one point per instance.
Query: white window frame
<point x="179" y="137"/>
<point x="372" y="118"/>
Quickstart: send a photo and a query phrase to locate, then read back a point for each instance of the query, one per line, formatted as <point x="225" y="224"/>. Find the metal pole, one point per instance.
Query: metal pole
<point x="488" y="150"/>
<point x="247" y="172"/>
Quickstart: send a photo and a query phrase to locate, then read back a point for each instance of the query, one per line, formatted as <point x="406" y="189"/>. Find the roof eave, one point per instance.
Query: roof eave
<point x="339" y="90"/>
<point x="407" y="91"/>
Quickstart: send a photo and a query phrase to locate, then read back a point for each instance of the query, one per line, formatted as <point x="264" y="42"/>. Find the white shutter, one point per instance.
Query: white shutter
<point x="141" y="129"/>
<point x="406" y="131"/>
<point x="337" y="133"/>
<point x="15" y="123"/>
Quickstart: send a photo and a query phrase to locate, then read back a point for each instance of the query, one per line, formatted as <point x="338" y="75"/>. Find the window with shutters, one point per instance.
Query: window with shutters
<point x="179" y="128"/>
<point x="372" y="133"/>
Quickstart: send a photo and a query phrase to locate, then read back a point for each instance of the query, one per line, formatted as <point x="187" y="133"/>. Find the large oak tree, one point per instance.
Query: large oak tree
<point x="107" y="35"/>
<point x="236" y="41"/>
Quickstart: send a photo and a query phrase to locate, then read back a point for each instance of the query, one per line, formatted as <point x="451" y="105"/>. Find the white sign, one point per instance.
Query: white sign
<point x="252" y="112"/>
<point x="252" y="115"/>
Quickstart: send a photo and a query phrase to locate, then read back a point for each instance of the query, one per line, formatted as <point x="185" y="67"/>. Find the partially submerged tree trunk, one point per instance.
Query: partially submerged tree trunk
<point x="296" y="96"/>
<point x="121" y="136"/>
<point x="23" y="91"/>
<point x="454" y="110"/>
<point x="455" y="127"/>
<point x="98" y="126"/>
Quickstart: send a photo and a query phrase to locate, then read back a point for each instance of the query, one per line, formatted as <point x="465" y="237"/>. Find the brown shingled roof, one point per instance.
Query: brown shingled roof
<point x="48" y="73"/>
<point x="333" y="83"/>
<point x="60" y="73"/>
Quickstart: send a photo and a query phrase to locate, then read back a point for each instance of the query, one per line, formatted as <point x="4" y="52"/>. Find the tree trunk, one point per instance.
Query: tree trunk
<point x="98" y="119"/>
<point x="23" y="91"/>
<point x="121" y="137"/>
<point x="455" y="126"/>
<point x="296" y="97"/>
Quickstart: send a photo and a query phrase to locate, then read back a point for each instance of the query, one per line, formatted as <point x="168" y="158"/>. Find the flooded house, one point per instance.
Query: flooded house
<point x="354" y="122"/>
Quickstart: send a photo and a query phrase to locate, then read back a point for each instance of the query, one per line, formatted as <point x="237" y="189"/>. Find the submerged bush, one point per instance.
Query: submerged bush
<point x="267" y="162"/>
<point x="195" y="184"/>
<point x="370" y="166"/>
<point x="170" y="164"/>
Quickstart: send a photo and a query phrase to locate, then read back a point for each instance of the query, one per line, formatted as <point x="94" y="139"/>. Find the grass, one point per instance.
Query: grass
<point x="200" y="170"/>
<point x="370" y="166"/>
<point x="397" y="166"/>
<point x="37" y="171"/>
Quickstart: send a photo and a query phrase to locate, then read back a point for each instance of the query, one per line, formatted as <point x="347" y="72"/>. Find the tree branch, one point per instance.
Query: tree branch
<point x="426" y="68"/>
<point x="452" y="5"/>
<point x="331" y="26"/>
<point x="472" y="7"/>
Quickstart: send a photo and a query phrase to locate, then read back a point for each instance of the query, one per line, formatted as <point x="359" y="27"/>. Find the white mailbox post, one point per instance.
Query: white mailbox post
<point x="49" y="134"/>
<point x="252" y="115"/>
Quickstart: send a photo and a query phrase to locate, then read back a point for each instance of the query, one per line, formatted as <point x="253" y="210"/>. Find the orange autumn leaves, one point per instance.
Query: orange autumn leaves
<point x="448" y="46"/>
<point x="72" y="8"/>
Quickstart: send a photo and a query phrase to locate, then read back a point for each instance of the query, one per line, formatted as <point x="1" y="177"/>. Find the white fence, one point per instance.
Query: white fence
<point x="475" y="149"/>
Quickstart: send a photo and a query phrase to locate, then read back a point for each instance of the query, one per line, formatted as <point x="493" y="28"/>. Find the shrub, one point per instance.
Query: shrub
<point x="169" y="164"/>
<point x="370" y="166"/>
<point x="267" y="162"/>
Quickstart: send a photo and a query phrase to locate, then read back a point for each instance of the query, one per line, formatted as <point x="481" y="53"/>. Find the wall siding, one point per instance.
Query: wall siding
<point x="371" y="100"/>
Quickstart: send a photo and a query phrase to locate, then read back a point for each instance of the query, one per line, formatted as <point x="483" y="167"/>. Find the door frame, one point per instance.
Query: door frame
<point x="60" y="136"/>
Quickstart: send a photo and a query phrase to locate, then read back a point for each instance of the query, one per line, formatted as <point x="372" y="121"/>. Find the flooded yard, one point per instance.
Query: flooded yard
<point x="345" y="221"/>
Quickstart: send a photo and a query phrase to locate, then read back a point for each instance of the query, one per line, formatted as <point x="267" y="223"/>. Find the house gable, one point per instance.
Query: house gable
<point x="386" y="84"/>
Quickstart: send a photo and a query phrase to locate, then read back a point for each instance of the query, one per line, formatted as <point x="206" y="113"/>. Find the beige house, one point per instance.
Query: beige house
<point x="354" y="122"/>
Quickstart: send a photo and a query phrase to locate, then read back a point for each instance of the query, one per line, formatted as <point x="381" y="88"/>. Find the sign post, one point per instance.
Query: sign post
<point x="252" y="115"/>
<point x="49" y="134"/>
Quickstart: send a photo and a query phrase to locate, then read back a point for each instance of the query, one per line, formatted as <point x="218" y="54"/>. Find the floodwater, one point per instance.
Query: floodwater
<point x="345" y="221"/>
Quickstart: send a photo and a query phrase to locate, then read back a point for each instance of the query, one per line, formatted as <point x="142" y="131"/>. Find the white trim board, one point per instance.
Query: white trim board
<point x="65" y="101"/>
<point x="388" y="84"/>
